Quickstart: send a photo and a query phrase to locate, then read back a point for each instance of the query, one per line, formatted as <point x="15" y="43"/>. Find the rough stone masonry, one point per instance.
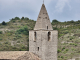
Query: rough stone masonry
<point x="43" y="39"/>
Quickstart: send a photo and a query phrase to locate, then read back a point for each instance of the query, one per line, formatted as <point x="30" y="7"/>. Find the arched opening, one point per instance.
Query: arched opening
<point x="49" y="36"/>
<point x="34" y="36"/>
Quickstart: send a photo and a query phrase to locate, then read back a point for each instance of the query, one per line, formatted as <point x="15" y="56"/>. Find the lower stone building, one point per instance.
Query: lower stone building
<point x="18" y="55"/>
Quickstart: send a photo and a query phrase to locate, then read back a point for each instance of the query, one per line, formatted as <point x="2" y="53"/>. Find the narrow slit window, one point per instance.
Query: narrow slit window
<point x="39" y="17"/>
<point x="47" y="27"/>
<point x="38" y="48"/>
<point x="49" y="36"/>
<point x="34" y="36"/>
<point x="46" y="17"/>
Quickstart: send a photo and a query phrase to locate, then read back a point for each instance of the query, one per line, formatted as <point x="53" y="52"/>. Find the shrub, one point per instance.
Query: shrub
<point x="13" y="21"/>
<point x="9" y="34"/>
<point x="63" y="48"/>
<point x="71" y="38"/>
<point x="14" y="48"/>
<point x="55" y="28"/>
<point x="16" y="18"/>
<point x="71" y="43"/>
<point x="62" y="57"/>
<point x="67" y="49"/>
<point x="0" y="39"/>
<point x="19" y="26"/>
<point x="66" y="32"/>
<point x="0" y="32"/>
<point x="0" y="43"/>
<point x="58" y="51"/>
<point x="23" y="30"/>
<point x="11" y="27"/>
<point x="64" y="52"/>
<point x="7" y="43"/>
<point x="75" y="44"/>
<point x="58" y="56"/>
<point x="3" y="23"/>
<point x="14" y="38"/>
<point x="22" y="18"/>
<point x="26" y="18"/>
<point x="17" y="36"/>
<point x="55" y="21"/>
<point x="18" y="41"/>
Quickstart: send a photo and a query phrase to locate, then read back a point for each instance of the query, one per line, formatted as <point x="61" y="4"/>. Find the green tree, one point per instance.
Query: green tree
<point x="0" y="32"/>
<point x="22" y="18"/>
<point x="17" y="18"/>
<point x="3" y="23"/>
<point x="23" y="30"/>
<point x="55" y="21"/>
<point x="26" y="18"/>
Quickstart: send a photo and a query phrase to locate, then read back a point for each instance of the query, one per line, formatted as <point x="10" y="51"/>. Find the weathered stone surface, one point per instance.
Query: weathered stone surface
<point x="47" y="48"/>
<point x="43" y="39"/>
<point x="43" y="21"/>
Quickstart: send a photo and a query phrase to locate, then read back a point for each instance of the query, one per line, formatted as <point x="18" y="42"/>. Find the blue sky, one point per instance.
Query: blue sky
<point x="62" y="10"/>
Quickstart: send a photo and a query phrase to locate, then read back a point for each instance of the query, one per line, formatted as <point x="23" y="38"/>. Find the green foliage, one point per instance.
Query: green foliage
<point x="13" y="21"/>
<point x="63" y="48"/>
<point x="9" y="34"/>
<point x="58" y="51"/>
<point x="62" y="57"/>
<point x="14" y="38"/>
<point x="4" y="23"/>
<point x="6" y="42"/>
<point x="26" y="18"/>
<point x="55" y="21"/>
<point x="18" y="41"/>
<point x="65" y="32"/>
<point x="16" y="18"/>
<point x="0" y="39"/>
<point x="0" y="32"/>
<point x="58" y="56"/>
<point x="22" y="18"/>
<point x="23" y="30"/>
<point x="67" y="49"/>
<point x="73" y="44"/>
<point x="71" y="21"/>
<point x="55" y="28"/>
<point x="19" y="26"/>
<point x="17" y="36"/>
<point x="71" y="37"/>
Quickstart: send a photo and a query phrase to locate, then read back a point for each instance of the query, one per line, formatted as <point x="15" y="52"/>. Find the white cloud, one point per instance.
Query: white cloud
<point x="31" y="4"/>
<point x="61" y="4"/>
<point x="11" y="8"/>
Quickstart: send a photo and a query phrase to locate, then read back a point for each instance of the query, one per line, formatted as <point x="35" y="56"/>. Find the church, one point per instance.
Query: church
<point x="43" y="39"/>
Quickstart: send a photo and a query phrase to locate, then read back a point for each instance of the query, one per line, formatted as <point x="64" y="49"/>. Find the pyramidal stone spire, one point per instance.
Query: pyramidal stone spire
<point x="43" y="21"/>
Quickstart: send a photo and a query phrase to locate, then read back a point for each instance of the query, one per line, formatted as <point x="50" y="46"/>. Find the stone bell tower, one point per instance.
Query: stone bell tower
<point x="43" y="39"/>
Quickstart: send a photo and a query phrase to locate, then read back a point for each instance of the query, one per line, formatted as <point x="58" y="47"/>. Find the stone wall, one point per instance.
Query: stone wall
<point x="43" y="47"/>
